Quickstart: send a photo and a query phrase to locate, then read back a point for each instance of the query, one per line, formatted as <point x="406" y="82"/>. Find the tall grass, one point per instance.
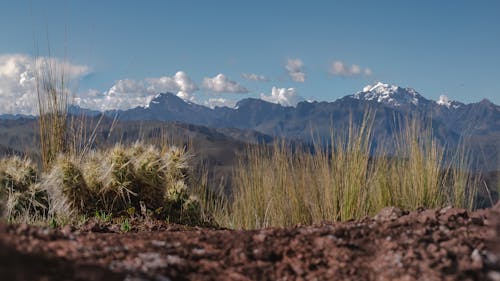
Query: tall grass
<point x="52" y="93"/>
<point x="348" y="180"/>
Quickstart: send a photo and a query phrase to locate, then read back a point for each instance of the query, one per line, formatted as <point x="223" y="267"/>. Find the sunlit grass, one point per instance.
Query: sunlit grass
<point x="275" y="187"/>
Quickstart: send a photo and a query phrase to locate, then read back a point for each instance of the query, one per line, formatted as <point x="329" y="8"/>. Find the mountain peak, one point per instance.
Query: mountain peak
<point x="389" y="94"/>
<point x="380" y="87"/>
<point x="165" y="98"/>
<point x="447" y="102"/>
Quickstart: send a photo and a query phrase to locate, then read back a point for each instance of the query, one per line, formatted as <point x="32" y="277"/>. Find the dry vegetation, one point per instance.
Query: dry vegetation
<point x="277" y="187"/>
<point x="272" y="185"/>
<point x="118" y="182"/>
<point x="75" y="181"/>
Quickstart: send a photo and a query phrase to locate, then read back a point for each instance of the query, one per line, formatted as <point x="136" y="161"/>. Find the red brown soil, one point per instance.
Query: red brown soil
<point x="441" y="244"/>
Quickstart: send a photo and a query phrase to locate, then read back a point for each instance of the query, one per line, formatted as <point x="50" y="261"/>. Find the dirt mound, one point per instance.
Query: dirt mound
<point x="439" y="244"/>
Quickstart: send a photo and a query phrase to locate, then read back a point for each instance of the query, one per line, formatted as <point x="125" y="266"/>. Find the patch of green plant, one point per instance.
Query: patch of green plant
<point x="125" y="226"/>
<point x="53" y="223"/>
<point x="103" y="216"/>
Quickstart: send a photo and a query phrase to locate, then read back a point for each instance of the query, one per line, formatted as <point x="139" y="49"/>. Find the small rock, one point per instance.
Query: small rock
<point x="452" y="214"/>
<point x="22" y="229"/>
<point x="432" y="248"/>
<point x="198" y="252"/>
<point x="388" y="214"/>
<point x="172" y="259"/>
<point x="67" y="230"/>
<point x="494" y="275"/>
<point x="158" y="243"/>
<point x="259" y="238"/>
<point x="477" y="260"/>
<point x="427" y="216"/>
<point x="476" y="219"/>
<point x="491" y="258"/>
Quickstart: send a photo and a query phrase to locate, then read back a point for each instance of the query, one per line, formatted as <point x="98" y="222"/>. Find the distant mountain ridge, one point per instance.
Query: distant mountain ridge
<point x="452" y="121"/>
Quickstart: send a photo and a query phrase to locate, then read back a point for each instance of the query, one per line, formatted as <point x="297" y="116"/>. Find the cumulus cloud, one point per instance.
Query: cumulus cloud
<point x="339" y="68"/>
<point x="213" y="102"/>
<point x="128" y="93"/>
<point x="283" y="96"/>
<point x="124" y="94"/>
<point x="222" y="84"/>
<point x="295" y="69"/>
<point x="18" y="74"/>
<point x="255" y="77"/>
<point x="180" y="83"/>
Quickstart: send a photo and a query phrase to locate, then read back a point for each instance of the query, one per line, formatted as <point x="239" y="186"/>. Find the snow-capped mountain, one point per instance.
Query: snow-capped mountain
<point x="447" y="102"/>
<point x="395" y="96"/>
<point x="390" y="95"/>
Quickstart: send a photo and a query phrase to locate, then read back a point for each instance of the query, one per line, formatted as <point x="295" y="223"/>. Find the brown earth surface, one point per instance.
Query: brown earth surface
<point x="439" y="244"/>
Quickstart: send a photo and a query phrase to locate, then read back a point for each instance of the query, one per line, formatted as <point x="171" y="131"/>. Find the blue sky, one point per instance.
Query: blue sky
<point x="332" y="48"/>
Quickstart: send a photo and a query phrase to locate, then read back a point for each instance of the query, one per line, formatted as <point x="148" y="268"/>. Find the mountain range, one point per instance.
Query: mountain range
<point x="477" y="124"/>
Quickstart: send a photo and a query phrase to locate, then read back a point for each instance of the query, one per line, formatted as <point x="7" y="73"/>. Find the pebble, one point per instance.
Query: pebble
<point x="158" y="243"/>
<point x="494" y="275"/>
<point x="388" y="214"/>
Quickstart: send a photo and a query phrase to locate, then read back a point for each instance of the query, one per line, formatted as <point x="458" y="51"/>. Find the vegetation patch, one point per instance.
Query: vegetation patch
<point x="116" y="181"/>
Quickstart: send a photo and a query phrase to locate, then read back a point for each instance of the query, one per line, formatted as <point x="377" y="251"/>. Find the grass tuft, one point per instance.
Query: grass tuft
<point x="348" y="180"/>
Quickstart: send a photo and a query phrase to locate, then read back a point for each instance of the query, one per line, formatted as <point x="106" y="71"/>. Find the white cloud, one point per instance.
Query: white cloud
<point x="222" y="84"/>
<point x="255" y="77"/>
<point x="128" y="93"/>
<point x="294" y="67"/>
<point x="180" y="83"/>
<point x="18" y="80"/>
<point x="339" y="68"/>
<point x="124" y="94"/>
<point x="283" y="96"/>
<point x="213" y="102"/>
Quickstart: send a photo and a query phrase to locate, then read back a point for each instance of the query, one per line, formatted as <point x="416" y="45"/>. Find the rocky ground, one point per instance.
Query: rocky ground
<point x="440" y="244"/>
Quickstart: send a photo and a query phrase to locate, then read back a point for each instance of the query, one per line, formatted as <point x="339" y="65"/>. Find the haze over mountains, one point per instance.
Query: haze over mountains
<point x="478" y="124"/>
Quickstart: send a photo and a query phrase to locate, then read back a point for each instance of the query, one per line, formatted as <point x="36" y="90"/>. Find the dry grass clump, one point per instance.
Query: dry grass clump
<point x="52" y="93"/>
<point x="348" y="180"/>
<point x="113" y="181"/>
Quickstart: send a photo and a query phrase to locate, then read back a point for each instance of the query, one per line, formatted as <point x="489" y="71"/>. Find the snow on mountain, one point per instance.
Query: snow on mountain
<point x="445" y="101"/>
<point x="390" y="95"/>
